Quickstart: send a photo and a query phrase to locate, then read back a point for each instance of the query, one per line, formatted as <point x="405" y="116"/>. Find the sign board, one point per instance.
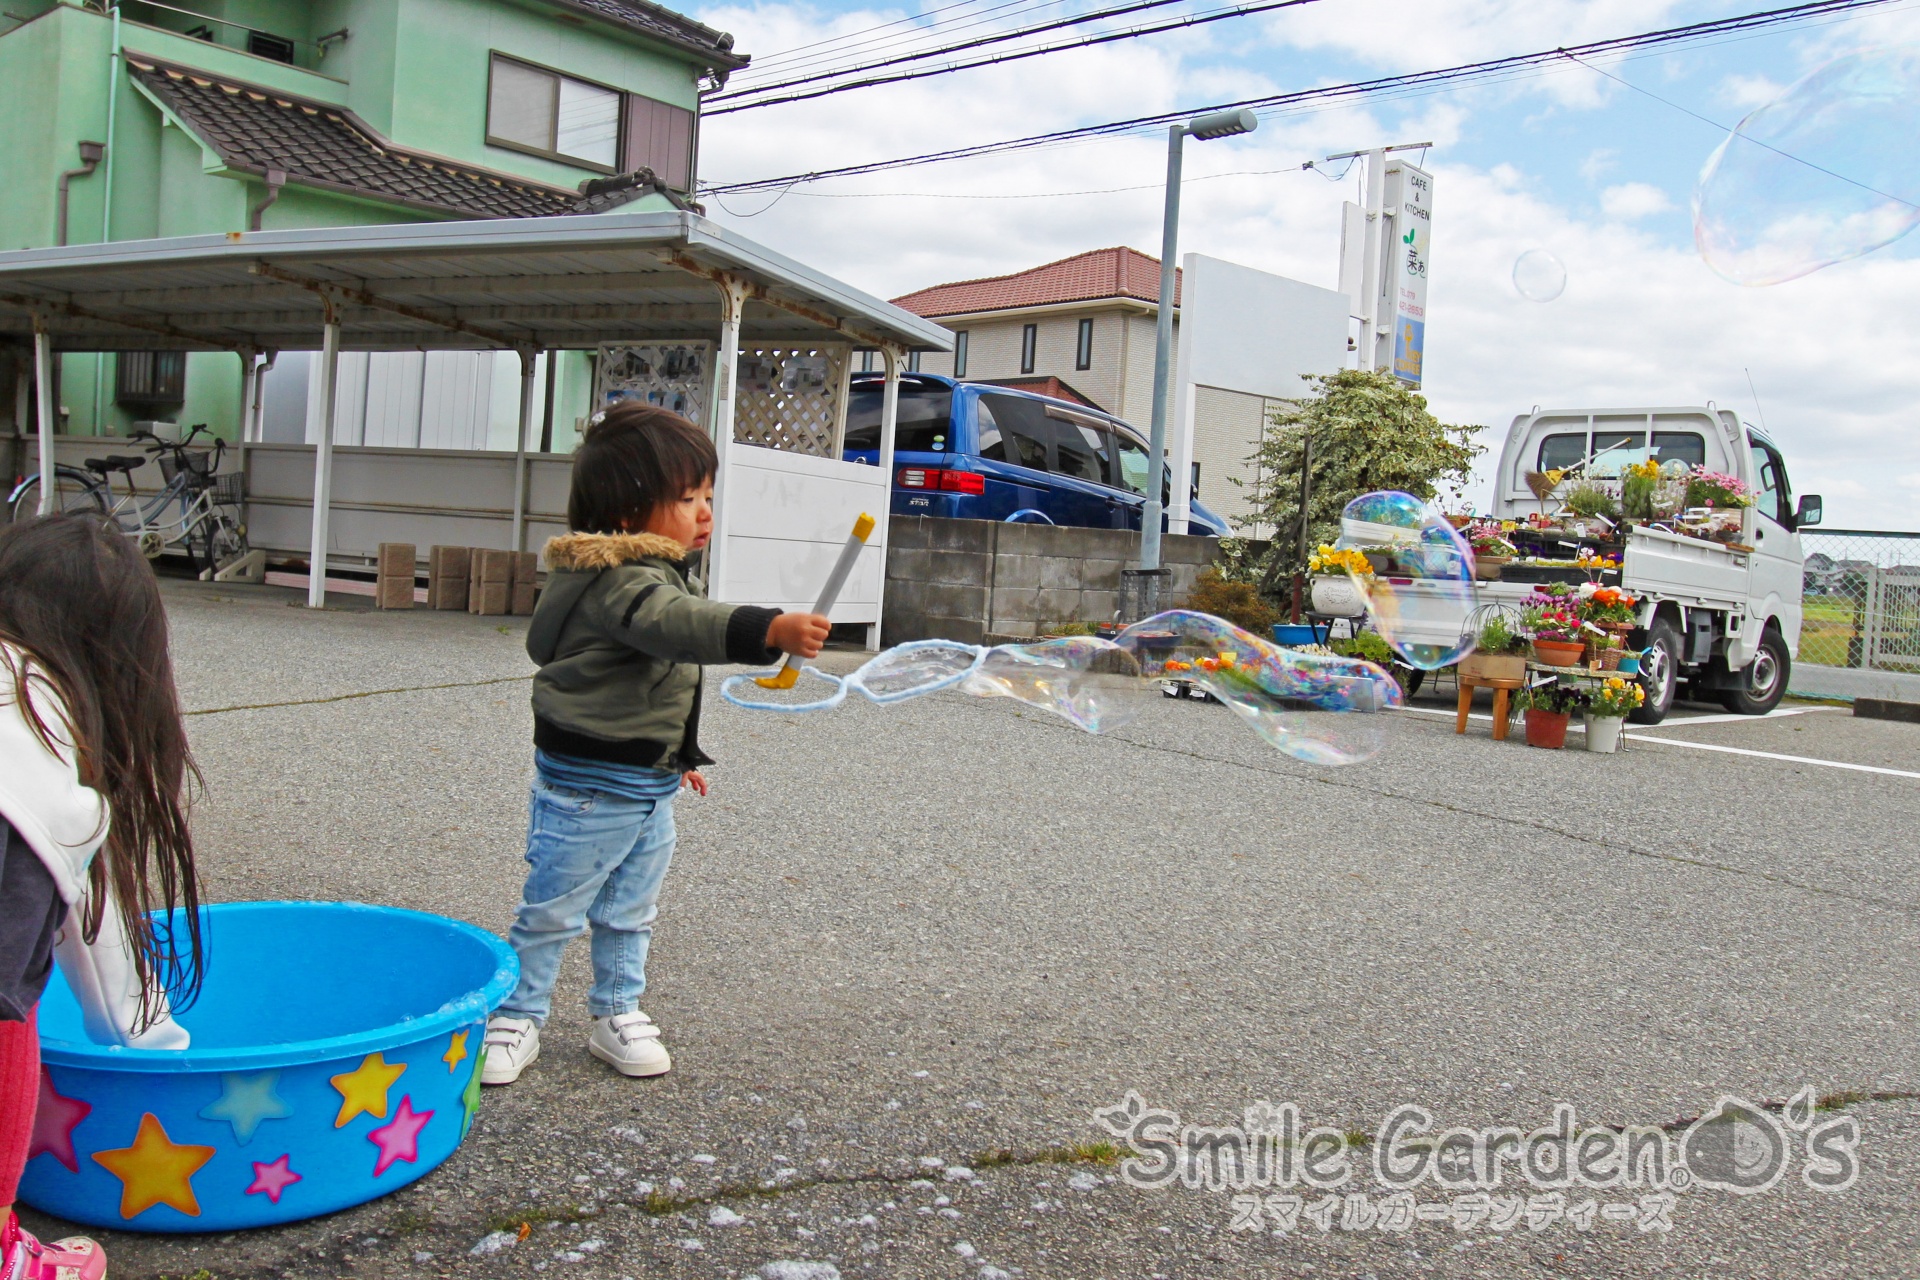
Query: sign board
<point x="1410" y="200"/>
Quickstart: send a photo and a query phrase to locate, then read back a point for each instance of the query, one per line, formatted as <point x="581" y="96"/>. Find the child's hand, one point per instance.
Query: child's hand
<point x="694" y="781"/>
<point x="798" y="633"/>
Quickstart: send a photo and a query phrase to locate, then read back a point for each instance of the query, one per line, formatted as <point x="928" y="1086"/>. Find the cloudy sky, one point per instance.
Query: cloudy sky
<point x="1570" y="161"/>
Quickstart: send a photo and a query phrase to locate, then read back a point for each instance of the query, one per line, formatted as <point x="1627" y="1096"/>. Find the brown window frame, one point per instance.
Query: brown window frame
<point x="494" y="56"/>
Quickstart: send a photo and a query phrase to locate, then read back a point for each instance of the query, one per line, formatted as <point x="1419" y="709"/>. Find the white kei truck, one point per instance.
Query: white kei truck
<point x="1723" y="621"/>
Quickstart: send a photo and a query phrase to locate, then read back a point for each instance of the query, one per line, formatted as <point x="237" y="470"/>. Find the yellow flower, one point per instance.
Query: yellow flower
<point x="1616" y="683"/>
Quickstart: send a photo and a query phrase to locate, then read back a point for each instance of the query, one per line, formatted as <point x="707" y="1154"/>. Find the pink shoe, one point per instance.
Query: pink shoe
<point x="22" y="1257"/>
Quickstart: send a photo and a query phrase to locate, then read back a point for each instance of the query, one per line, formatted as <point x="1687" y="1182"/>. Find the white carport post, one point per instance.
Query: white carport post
<point x="323" y="457"/>
<point x="726" y="366"/>
<point x="895" y="357"/>
<point x="527" y="355"/>
<point x="249" y="375"/>
<point x="43" y="377"/>
<point x="1186" y="396"/>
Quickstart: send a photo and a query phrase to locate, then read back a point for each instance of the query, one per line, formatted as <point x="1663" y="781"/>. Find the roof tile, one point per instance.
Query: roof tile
<point x="1118" y="272"/>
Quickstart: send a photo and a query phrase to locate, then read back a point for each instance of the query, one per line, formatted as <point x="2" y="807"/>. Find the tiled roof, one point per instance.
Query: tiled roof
<point x="1043" y="386"/>
<point x="666" y="26"/>
<point x="316" y="144"/>
<point x="1100" y="273"/>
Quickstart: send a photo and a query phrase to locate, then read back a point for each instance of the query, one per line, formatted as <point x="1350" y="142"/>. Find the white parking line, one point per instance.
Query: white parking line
<point x="1643" y="736"/>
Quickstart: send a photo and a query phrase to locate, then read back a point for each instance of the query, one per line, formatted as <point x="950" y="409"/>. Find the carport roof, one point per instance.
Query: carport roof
<point x="535" y="282"/>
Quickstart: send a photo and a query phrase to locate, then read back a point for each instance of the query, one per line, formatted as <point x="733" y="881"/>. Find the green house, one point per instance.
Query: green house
<point x="140" y="119"/>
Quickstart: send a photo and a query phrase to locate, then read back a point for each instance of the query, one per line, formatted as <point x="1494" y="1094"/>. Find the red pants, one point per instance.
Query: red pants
<point x="19" y="1094"/>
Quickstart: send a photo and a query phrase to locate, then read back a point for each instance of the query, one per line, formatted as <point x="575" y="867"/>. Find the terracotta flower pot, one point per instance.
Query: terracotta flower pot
<point x="1554" y="653"/>
<point x="1547" y="728"/>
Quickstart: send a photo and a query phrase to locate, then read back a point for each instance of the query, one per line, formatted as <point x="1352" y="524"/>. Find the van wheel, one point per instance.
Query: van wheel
<point x="1764" y="682"/>
<point x="1659" y="672"/>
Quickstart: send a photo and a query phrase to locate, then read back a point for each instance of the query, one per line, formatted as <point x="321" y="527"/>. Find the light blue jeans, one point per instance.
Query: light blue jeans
<point x="594" y="859"/>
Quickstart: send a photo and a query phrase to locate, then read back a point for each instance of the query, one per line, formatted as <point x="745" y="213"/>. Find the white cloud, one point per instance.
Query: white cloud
<point x="1631" y="200"/>
<point x="1749" y="92"/>
<point x="1599" y="163"/>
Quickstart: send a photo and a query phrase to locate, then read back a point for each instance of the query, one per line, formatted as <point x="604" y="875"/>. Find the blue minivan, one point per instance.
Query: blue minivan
<point x="975" y="451"/>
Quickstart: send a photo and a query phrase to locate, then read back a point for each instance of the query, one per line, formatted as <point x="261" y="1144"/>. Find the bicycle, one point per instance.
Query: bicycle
<point x="196" y="511"/>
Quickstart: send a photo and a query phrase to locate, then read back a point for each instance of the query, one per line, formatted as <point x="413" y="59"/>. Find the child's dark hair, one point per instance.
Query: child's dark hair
<point x="636" y="457"/>
<point x="84" y="606"/>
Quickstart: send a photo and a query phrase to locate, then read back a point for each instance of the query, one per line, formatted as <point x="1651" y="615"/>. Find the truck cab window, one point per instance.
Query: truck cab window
<point x="1613" y="450"/>
<point x="1689" y="447"/>
<point x="1770" y="497"/>
<point x="1561" y="451"/>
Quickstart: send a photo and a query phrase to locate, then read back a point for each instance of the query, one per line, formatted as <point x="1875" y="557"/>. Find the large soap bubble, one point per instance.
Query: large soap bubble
<point x="1419" y="582"/>
<point x="1539" y="276"/>
<point x="1313" y="707"/>
<point x="1821" y="174"/>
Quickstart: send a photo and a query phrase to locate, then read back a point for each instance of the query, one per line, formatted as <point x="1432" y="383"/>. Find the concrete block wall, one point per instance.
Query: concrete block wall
<point x="969" y="579"/>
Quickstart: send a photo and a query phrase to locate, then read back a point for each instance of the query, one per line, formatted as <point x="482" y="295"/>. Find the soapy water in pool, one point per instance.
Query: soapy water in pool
<point x="1312" y="707"/>
<point x="1417" y="580"/>
<point x="1821" y="174"/>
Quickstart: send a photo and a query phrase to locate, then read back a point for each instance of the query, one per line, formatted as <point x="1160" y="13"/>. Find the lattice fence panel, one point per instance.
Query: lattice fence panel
<point x="673" y="375"/>
<point x="792" y="398"/>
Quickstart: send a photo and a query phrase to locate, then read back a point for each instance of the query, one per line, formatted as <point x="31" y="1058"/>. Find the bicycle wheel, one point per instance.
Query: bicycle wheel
<point x="72" y="495"/>
<point x="219" y="541"/>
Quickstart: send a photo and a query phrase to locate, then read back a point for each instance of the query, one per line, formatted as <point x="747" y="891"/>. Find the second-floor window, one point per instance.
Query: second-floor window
<point x="1029" y="342"/>
<point x="1083" y="345"/>
<point x="578" y="122"/>
<point x="532" y="109"/>
<point x="960" y="354"/>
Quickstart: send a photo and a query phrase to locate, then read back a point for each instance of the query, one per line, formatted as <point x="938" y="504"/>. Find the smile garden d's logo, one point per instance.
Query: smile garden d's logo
<point x="1737" y="1147"/>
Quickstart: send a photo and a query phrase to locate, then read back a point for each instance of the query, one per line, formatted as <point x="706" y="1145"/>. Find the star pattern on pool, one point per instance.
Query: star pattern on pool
<point x="399" y="1139"/>
<point x="271" y="1179"/>
<point x="247" y="1100"/>
<point x="364" y="1089"/>
<point x="470" y="1096"/>
<point x="54" y="1123"/>
<point x="155" y="1170"/>
<point x="456" y="1051"/>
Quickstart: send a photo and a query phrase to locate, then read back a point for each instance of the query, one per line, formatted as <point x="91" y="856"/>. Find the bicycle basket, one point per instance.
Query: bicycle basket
<point x="230" y="489"/>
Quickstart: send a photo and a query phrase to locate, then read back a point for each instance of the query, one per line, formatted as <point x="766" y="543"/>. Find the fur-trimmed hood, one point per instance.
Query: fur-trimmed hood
<point x="590" y="551"/>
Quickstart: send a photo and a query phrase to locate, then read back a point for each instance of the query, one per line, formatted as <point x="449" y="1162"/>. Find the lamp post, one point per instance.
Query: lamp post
<point x="1221" y="124"/>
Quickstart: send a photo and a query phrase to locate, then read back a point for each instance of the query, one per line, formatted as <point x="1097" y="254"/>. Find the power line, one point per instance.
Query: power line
<point x="1429" y="81"/>
<point x="767" y="67"/>
<point x="978" y="42"/>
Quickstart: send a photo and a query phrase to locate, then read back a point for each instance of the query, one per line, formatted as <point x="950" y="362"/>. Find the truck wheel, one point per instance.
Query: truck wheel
<point x="1764" y="682"/>
<point x="1659" y="672"/>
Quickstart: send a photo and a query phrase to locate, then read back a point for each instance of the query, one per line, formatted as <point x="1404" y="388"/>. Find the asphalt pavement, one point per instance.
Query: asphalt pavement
<point x="907" y="953"/>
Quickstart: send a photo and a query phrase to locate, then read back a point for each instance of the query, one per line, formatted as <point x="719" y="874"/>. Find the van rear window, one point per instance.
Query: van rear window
<point x="924" y="424"/>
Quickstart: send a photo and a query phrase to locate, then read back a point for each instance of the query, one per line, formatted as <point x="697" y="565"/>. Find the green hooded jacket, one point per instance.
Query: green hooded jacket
<point x="620" y="633"/>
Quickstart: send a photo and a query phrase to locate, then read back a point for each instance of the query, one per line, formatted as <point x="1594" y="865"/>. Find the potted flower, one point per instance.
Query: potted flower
<point x="1550" y="620"/>
<point x="1716" y="490"/>
<point x="1491" y="549"/>
<point x="1611" y="610"/>
<point x="1548" y="707"/>
<point x="1500" y="653"/>
<point x="1334" y="569"/>
<point x="1607" y="707"/>
<point x="1636" y="489"/>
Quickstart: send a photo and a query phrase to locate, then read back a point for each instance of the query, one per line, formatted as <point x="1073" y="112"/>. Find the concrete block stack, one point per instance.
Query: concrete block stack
<point x="395" y="588"/>
<point x="490" y="586"/>
<point x="526" y="582"/>
<point x="447" y="569"/>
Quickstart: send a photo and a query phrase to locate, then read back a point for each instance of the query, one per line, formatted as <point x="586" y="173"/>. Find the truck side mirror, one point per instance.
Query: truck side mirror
<point x="1809" y="512"/>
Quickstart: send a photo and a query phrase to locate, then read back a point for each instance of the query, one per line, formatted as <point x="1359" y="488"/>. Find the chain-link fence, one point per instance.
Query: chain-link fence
<point x="1861" y="594"/>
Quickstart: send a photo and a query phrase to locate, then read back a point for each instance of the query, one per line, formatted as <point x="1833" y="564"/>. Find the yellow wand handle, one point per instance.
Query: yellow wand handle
<point x="862" y="528"/>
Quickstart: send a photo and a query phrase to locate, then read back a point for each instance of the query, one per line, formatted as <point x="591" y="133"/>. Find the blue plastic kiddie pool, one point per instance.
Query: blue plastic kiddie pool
<point x="336" y="1057"/>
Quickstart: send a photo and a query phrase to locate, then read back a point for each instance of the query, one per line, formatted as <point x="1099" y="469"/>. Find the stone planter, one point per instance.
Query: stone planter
<point x="1494" y="666"/>
<point x="1547" y="728"/>
<point x="1558" y="654"/>
<point x="1337" y="597"/>
<point x="1603" y="733"/>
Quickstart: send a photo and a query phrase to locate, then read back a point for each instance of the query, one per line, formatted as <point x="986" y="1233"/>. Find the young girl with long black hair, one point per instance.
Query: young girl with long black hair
<point x="94" y="773"/>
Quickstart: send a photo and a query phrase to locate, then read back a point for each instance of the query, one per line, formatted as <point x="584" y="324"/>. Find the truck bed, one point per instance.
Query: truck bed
<point x="1690" y="571"/>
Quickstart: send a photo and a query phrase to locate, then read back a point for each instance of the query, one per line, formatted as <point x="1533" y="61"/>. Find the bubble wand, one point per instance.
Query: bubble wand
<point x="789" y="673"/>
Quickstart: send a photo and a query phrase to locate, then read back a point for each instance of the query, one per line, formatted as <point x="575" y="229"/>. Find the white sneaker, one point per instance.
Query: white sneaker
<point x="630" y="1044"/>
<point x="512" y="1045"/>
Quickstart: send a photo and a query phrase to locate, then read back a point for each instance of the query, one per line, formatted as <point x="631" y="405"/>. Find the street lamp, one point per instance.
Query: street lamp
<point x="1221" y="124"/>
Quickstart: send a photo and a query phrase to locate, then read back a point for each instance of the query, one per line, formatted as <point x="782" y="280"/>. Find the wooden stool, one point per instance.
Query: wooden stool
<point x="1502" y="711"/>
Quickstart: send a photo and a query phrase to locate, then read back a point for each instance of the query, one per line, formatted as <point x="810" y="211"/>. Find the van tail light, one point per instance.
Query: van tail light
<point x="962" y="482"/>
<point x="941" y="479"/>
